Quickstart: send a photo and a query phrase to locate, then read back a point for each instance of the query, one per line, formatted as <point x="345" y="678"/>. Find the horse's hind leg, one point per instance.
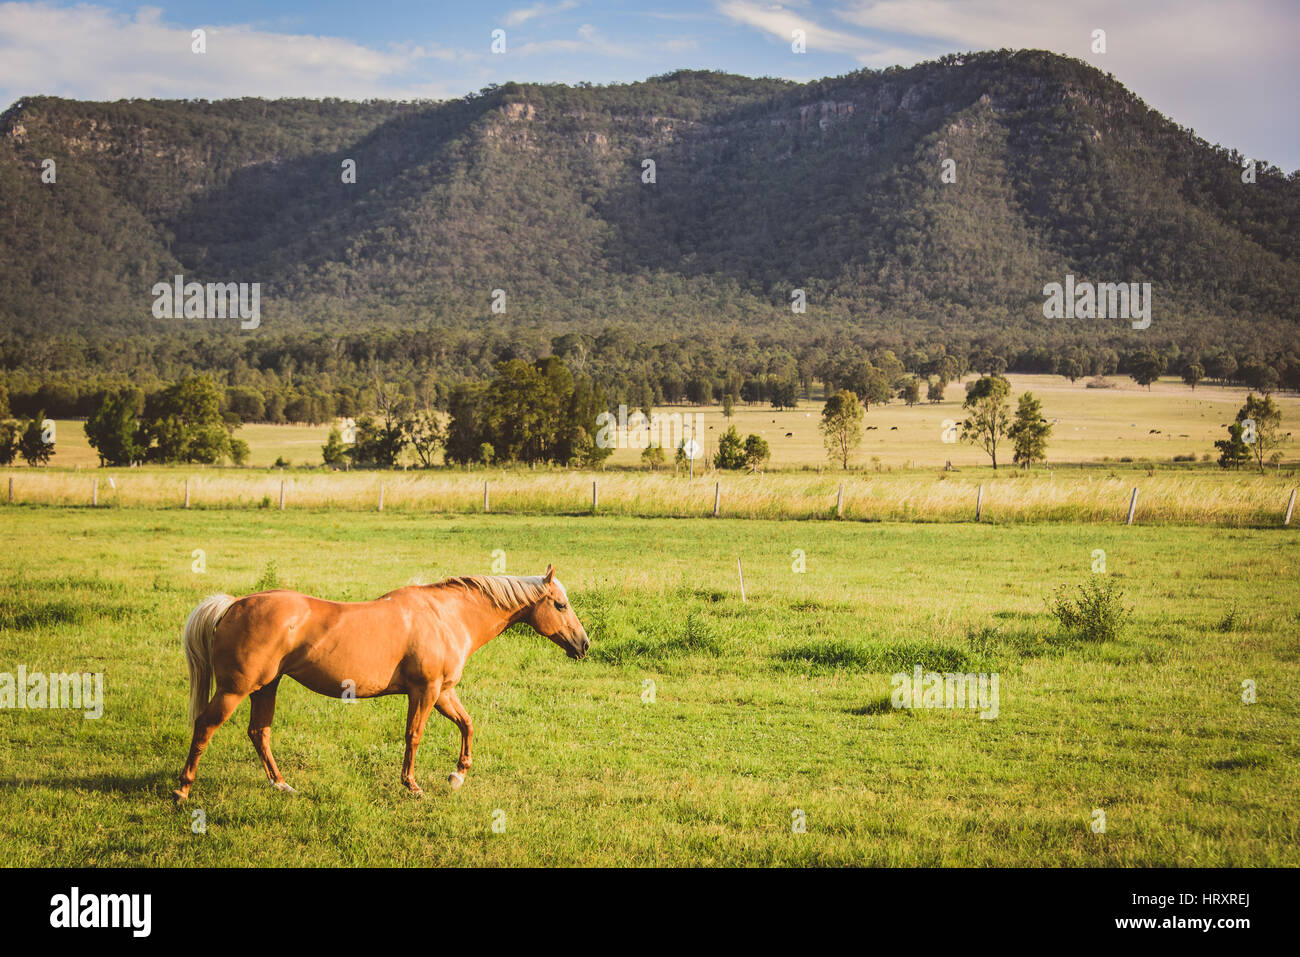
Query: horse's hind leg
<point x="449" y="704"/>
<point x="221" y="707"/>
<point x="262" y="703"/>
<point x="419" y="704"/>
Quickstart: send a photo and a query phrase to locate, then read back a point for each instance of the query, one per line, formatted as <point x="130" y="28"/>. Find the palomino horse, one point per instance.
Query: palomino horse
<point x="413" y="641"/>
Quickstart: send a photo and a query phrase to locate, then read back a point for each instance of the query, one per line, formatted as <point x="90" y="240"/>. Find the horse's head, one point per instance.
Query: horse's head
<point x="553" y="617"/>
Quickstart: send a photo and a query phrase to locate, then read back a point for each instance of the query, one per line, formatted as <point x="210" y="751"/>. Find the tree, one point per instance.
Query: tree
<point x="113" y="430"/>
<point x="785" y="394"/>
<point x="1072" y="368"/>
<point x="936" y="389"/>
<point x="10" y="433"/>
<point x="1146" y="366"/>
<point x="1261" y="422"/>
<point x="334" y="452"/>
<point x="841" y="426"/>
<point x="378" y="443"/>
<point x="1222" y="367"/>
<point x="875" y="388"/>
<point x="653" y="456"/>
<point x="239" y="451"/>
<point x="757" y="452"/>
<point x="728" y="405"/>
<point x="183" y="423"/>
<point x="731" y="451"/>
<point x="31" y="443"/>
<point x="1193" y="373"/>
<point x="1029" y="431"/>
<point x="464" y="437"/>
<point x="989" y="413"/>
<point x="422" y="431"/>
<point x="910" y="393"/>
<point x="1233" y="452"/>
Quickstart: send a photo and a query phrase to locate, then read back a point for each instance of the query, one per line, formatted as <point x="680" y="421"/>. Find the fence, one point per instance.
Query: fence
<point x="1248" y="500"/>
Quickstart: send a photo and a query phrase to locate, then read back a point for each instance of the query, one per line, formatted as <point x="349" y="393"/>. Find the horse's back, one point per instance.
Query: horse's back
<point x="331" y="647"/>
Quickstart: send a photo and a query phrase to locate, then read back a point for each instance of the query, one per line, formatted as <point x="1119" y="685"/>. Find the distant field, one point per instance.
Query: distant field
<point x="1090" y="425"/>
<point x="762" y="711"/>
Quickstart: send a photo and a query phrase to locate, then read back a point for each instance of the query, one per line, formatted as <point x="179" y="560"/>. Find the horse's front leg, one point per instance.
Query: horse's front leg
<point x="419" y="703"/>
<point x="448" y="704"/>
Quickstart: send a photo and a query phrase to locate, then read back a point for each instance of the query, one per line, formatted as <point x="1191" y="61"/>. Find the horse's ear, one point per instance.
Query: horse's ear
<point x="550" y="573"/>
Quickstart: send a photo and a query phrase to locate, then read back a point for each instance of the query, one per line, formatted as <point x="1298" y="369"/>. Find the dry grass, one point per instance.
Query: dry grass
<point x="1092" y="496"/>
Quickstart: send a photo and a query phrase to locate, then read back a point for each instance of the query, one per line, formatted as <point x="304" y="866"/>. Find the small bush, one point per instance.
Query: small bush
<point x="981" y="642"/>
<point x="1229" y="621"/>
<point x="269" y="580"/>
<point x="1098" y="614"/>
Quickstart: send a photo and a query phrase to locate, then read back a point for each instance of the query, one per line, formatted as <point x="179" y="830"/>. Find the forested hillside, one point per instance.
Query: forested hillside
<point x="761" y="187"/>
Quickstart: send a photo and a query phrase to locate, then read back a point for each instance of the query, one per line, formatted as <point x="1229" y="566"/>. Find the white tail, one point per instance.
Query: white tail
<point x="198" y="648"/>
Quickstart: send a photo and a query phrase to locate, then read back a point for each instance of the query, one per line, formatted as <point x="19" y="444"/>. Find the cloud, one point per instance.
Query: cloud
<point x="590" y="42"/>
<point x="94" y="53"/>
<point x="781" y="22"/>
<point x="524" y="14"/>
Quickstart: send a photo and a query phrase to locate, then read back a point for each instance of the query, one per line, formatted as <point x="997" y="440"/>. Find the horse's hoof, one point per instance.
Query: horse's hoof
<point x="283" y="786"/>
<point x="455" y="779"/>
<point x="179" y="796"/>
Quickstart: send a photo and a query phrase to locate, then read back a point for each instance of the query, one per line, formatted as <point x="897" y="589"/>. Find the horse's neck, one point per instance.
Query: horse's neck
<point x="486" y="620"/>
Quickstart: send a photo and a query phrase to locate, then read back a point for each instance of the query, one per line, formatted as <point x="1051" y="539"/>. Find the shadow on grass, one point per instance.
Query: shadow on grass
<point x="159" y="783"/>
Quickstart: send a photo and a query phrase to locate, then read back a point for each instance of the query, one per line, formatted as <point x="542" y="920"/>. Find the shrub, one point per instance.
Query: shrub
<point x="269" y="580"/>
<point x="1098" y="614"/>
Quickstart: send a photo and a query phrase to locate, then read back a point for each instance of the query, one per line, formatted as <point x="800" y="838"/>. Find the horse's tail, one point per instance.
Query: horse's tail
<point x="198" y="648"/>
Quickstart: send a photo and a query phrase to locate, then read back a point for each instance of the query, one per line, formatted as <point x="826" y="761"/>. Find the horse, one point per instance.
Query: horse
<point x="412" y="641"/>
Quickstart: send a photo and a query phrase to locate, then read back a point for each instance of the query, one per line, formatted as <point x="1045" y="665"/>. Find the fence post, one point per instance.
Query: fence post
<point x="282" y="495"/>
<point x="741" y="568"/>
<point x="94" y="492"/>
<point x="839" y="503"/>
<point x="486" y="507"/>
<point x="594" y="499"/>
<point x="381" y="496"/>
<point x="979" y="501"/>
<point x="187" y="493"/>
<point x="717" y="498"/>
<point x="1132" y="506"/>
<point x="1286" y="521"/>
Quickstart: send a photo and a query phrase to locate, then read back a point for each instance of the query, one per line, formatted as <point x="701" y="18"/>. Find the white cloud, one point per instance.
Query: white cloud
<point x="93" y="53"/>
<point x="781" y="22"/>
<point x="524" y="14"/>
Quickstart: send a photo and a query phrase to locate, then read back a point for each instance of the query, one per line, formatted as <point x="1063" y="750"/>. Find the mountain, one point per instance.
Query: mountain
<point x="762" y="186"/>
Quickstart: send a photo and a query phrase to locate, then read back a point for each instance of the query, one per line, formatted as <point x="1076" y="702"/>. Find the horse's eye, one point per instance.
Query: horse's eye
<point x="560" y="606"/>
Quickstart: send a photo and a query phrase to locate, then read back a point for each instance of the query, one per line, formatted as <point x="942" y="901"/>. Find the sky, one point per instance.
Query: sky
<point x="1229" y="70"/>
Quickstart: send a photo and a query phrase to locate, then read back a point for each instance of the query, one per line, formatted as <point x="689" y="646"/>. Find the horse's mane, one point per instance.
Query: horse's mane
<point x="504" y="591"/>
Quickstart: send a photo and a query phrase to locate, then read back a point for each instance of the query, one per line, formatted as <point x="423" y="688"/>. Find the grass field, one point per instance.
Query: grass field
<point x="1125" y="421"/>
<point x="761" y="709"/>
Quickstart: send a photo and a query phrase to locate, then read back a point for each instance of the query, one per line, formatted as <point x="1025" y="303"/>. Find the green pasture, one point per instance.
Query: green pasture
<point x="760" y="709"/>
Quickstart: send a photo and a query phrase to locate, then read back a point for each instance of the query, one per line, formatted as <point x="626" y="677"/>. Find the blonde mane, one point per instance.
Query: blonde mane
<point x="507" y="592"/>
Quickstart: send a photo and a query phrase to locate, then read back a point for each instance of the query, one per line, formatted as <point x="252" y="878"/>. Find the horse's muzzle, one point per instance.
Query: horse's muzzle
<point x="579" y="649"/>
